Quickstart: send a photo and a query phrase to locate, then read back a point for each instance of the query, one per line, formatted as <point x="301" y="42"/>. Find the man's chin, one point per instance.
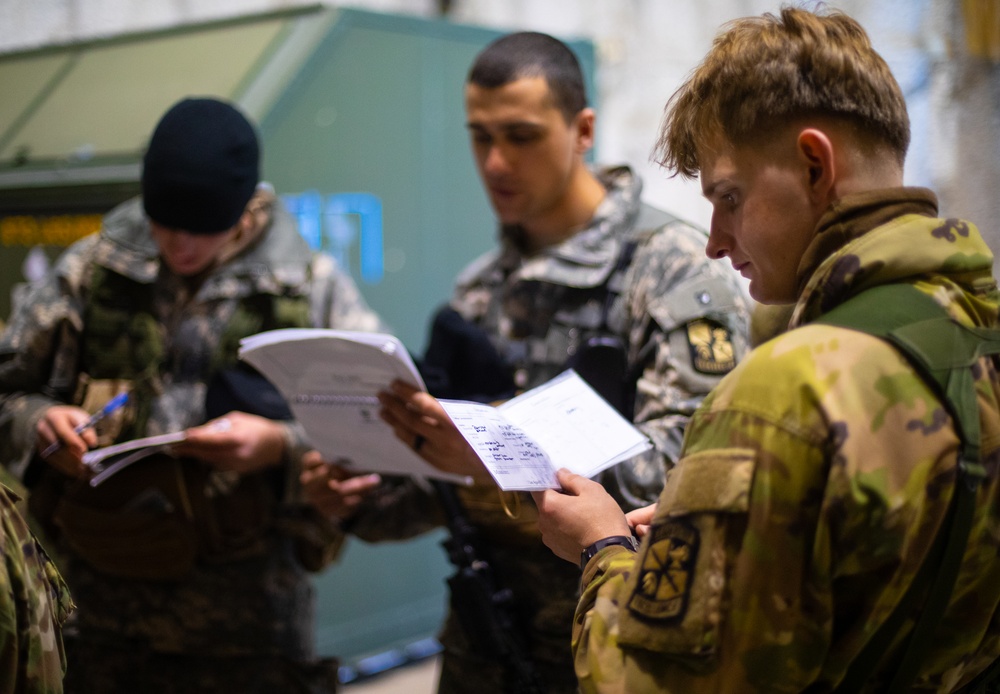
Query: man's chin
<point x="184" y="269"/>
<point x="505" y="212"/>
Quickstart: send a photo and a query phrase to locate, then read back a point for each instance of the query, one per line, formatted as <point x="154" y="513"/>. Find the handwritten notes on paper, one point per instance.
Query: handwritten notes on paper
<point x="562" y="423"/>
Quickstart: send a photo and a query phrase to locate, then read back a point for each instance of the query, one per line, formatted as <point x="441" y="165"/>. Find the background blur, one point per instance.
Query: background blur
<point x="360" y="110"/>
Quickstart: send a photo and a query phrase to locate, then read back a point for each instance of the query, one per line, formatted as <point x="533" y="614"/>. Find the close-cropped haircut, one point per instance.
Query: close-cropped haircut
<point x="762" y="72"/>
<point x="533" y="54"/>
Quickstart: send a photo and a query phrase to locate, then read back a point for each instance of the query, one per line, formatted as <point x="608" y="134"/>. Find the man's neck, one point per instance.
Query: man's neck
<point x="583" y="196"/>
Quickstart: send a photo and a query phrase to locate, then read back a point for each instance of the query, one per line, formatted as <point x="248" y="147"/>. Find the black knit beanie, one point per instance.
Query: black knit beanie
<point x="201" y="167"/>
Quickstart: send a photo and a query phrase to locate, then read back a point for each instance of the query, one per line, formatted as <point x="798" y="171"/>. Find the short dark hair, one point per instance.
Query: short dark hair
<point x="533" y="54"/>
<point x="762" y="72"/>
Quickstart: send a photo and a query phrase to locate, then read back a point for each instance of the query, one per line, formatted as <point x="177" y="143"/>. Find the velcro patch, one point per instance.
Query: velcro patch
<point x="711" y="346"/>
<point x="666" y="572"/>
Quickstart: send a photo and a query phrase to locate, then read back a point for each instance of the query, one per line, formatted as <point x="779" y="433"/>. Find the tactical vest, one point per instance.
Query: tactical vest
<point x="154" y="519"/>
<point x="584" y="331"/>
<point x="943" y="353"/>
<point x="123" y="341"/>
<point x="581" y="334"/>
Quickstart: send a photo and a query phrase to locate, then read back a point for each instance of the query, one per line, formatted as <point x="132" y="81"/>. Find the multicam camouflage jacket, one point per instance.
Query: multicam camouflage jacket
<point x="34" y="604"/>
<point x="262" y="603"/>
<point x="810" y="488"/>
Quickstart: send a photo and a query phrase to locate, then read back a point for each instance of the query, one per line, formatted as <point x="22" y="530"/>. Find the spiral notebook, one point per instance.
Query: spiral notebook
<point x="331" y="379"/>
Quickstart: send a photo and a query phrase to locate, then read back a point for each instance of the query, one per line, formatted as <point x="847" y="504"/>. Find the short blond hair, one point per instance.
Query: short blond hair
<point x="763" y="72"/>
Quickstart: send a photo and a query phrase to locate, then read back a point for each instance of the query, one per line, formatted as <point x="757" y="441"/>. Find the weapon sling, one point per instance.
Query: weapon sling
<point x="943" y="353"/>
<point x="482" y="606"/>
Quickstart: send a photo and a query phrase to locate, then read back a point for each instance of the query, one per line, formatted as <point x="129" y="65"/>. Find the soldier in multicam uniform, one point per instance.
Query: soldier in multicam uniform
<point x="34" y="605"/>
<point x="189" y="569"/>
<point x="581" y="261"/>
<point x="814" y="479"/>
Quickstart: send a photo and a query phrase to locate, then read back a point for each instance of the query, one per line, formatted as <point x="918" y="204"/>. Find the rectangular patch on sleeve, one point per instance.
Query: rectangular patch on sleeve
<point x="674" y="598"/>
<point x="713" y="480"/>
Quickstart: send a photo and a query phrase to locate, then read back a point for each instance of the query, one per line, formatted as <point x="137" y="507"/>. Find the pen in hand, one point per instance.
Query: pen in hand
<point x="115" y="403"/>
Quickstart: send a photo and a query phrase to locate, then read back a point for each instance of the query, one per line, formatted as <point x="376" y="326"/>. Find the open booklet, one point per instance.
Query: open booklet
<point x="331" y="379"/>
<point x="105" y="462"/>
<point x="561" y="423"/>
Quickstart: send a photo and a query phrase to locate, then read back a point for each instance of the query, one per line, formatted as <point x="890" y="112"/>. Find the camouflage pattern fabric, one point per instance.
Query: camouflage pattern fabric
<point x="34" y="605"/>
<point x="684" y="322"/>
<point x="812" y="483"/>
<point x="260" y="605"/>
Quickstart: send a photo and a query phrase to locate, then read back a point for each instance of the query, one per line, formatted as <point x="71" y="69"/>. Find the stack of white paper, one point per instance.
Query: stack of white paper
<point x="331" y="379"/>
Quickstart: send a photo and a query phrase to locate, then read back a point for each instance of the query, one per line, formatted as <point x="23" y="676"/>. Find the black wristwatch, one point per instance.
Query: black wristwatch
<point x="627" y="541"/>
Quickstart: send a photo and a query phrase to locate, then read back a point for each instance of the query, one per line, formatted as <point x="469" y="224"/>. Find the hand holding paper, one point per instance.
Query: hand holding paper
<point x="421" y="422"/>
<point x="572" y="520"/>
<point x="560" y="424"/>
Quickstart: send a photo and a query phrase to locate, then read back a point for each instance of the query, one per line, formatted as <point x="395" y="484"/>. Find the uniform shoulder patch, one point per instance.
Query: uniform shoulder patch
<point x="666" y="572"/>
<point x="711" y="346"/>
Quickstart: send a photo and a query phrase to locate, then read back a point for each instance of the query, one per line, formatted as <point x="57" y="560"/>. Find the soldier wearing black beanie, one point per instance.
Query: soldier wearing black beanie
<point x="155" y="305"/>
<point x="201" y="167"/>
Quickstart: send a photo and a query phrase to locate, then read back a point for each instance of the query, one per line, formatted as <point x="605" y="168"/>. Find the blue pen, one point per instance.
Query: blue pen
<point x="115" y="403"/>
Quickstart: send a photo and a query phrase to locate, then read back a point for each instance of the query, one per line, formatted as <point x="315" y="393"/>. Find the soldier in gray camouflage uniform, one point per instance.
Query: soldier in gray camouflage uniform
<point x="189" y="569"/>
<point x="581" y="259"/>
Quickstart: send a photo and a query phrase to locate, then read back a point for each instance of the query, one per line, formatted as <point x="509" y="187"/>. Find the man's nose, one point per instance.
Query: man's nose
<point x="496" y="160"/>
<point x="718" y="245"/>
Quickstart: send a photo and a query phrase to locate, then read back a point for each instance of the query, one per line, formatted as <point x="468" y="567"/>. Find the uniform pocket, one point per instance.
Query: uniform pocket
<point x="673" y="601"/>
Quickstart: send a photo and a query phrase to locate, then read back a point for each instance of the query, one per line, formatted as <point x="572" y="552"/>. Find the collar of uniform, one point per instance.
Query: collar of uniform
<point x="276" y="261"/>
<point x="856" y="215"/>
<point x="911" y="246"/>
<point x="280" y="256"/>
<point x="126" y="245"/>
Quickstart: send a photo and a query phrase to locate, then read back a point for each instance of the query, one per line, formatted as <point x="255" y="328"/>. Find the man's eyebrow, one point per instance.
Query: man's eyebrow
<point x="707" y="192"/>
<point x="511" y="125"/>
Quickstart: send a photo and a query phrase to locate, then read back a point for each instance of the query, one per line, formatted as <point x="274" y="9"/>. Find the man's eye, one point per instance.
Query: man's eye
<point x="519" y="138"/>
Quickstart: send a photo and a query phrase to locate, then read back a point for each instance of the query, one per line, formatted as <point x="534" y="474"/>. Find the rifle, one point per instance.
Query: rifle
<point x="461" y="362"/>
<point x="483" y="607"/>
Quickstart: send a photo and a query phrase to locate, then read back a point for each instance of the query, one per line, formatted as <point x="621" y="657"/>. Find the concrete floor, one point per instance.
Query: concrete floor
<point x="418" y="678"/>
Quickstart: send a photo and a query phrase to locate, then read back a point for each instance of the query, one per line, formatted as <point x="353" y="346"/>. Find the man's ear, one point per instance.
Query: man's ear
<point x="584" y="123"/>
<point x="816" y="152"/>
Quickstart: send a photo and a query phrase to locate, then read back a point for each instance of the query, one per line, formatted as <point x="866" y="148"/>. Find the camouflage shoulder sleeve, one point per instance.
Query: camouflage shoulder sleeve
<point x="686" y="322"/>
<point x="34" y="604"/>
<point x="336" y="300"/>
<point x="39" y="352"/>
<point x="701" y="587"/>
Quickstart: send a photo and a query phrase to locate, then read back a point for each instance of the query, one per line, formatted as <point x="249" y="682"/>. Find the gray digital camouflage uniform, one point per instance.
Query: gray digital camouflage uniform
<point x="683" y="321"/>
<point x="162" y="608"/>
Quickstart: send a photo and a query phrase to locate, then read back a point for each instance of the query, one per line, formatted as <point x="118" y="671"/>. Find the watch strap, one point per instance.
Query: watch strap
<point x="627" y="541"/>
